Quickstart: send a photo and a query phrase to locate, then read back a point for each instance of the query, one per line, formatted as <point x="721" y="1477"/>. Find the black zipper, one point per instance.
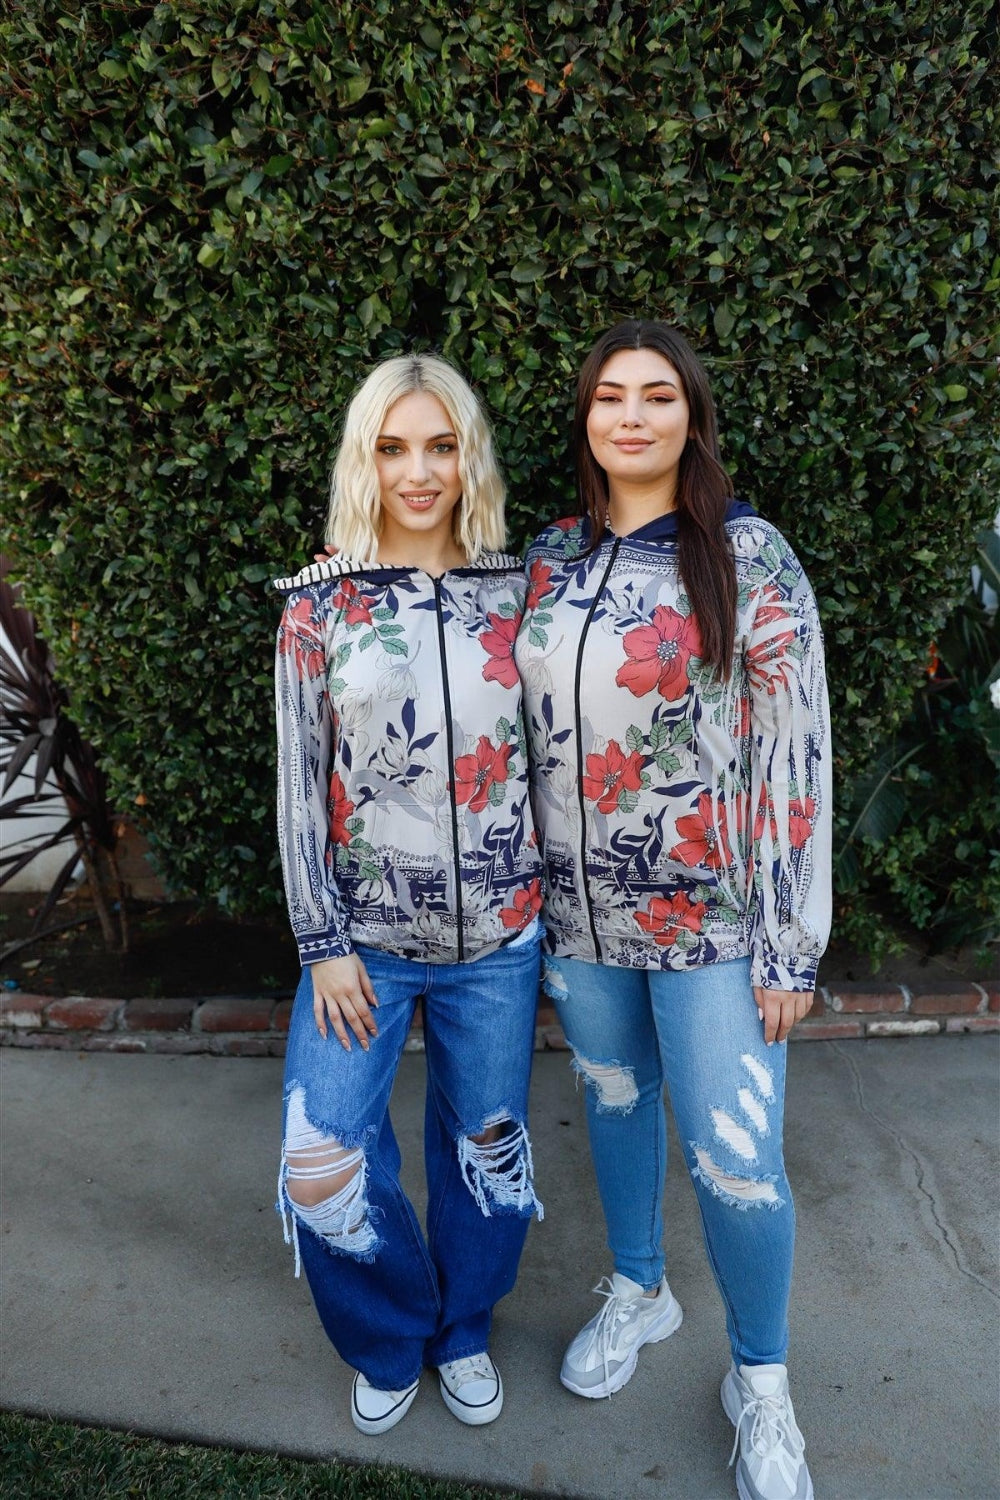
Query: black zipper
<point x="579" y="748"/>
<point x="451" y="764"/>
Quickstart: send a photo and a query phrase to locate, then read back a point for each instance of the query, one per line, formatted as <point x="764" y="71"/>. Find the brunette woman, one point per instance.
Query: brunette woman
<point x="677" y="720"/>
<point x="411" y="873"/>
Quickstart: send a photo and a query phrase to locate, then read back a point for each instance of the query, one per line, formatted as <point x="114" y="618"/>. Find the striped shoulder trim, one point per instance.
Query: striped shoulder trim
<point x="343" y="567"/>
<point x="333" y="568"/>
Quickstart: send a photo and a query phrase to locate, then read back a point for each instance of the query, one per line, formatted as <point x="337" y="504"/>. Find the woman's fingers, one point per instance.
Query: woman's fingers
<point x="780" y="1010"/>
<point x="343" y="992"/>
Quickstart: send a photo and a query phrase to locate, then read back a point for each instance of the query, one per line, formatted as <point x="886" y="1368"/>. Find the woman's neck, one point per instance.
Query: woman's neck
<point x="411" y="551"/>
<point x="631" y="507"/>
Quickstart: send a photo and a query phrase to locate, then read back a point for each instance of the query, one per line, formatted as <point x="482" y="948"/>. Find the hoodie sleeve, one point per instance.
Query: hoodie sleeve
<point x="791" y="800"/>
<point x="305" y="738"/>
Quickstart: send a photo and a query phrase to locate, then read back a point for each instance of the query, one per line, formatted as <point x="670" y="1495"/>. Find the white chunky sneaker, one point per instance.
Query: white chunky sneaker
<point x="373" y="1410"/>
<point x="602" y="1357"/>
<point x="772" y="1463"/>
<point x="472" y="1389"/>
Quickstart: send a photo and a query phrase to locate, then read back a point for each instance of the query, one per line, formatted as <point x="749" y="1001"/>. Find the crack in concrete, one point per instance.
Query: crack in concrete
<point x="922" y="1171"/>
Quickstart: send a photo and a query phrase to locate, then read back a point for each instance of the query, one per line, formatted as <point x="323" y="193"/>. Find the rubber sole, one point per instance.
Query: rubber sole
<point x="374" y="1425"/>
<point x="732" y="1406"/>
<point x="473" y="1416"/>
<point x="667" y="1323"/>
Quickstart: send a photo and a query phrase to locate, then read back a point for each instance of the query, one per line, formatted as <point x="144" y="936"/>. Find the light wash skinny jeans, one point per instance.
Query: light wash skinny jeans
<point x="698" y="1030"/>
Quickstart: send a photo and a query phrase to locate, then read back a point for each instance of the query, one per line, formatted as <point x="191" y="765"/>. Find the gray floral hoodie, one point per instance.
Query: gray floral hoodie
<point x="683" y="820"/>
<point x="403" y="813"/>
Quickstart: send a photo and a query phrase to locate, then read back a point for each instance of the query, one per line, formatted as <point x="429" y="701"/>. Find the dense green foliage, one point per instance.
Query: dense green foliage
<point x="45" y="1459"/>
<point x="218" y="213"/>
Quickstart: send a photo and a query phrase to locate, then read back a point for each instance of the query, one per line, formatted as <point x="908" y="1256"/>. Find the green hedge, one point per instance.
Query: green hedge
<point x="218" y="214"/>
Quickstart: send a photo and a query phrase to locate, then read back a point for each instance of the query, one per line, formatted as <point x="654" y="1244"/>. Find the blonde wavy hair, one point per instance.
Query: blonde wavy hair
<point x="354" y="518"/>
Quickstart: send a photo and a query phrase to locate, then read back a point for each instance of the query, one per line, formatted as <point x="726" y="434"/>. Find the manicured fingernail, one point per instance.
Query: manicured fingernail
<point x="760" y="1013"/>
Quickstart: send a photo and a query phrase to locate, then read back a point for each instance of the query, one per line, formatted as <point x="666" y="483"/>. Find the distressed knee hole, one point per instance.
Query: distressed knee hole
<point x="614" y="1086"/>
<point x="754" y="1110"/>
<point x="761" y="1076"/>
<point x="733" y="1135"/>
<point x="741" y="1192"/>
<point x="325" y="1182"/>
<point x="498" y="1169"/>
<point x="553" y="983"/>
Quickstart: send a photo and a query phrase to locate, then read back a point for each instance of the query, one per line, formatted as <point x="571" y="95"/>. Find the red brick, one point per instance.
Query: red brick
<point x="282" y="1015"/>
<point x="818" y="1007"/>
<point x="276" y="1049"/>
<point x="17" y="1009"/>
<point x="955" y="998"/>
<point x="824" y="1031"/>
<point x="58" y="1041"/>
<point x="972" y="1023"/>
<point x="245" y="1046"/>
<point x="854" y="996"/>
<point x="101" y="1042"/>
<point x="151" y="1013"/>
<point x="230" y="1013"/>
<point x="992" y="988"/>
<point x="81" y="1013"/>
<point x="902" y="1026"/>
<point x="172" y="1044"/>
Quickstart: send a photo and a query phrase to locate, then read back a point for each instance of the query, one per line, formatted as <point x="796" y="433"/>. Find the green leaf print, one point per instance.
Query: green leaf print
<point x="627" y="801"/>
<point x="368" y="639"/>
<point x="659" y="734"/>
<point x="395" y="648"/>
<point x="497" y="793"/>
<point x="668" y="763"/>
<point x="384" y="630"/>
<point x="634" y="737"/>
<point x="537" y="637"/>
<point x="503" y="729"/>
<point x="382" y="613"/>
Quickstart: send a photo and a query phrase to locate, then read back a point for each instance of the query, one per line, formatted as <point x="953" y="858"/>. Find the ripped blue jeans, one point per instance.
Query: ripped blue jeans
<point x="698" y="1031"/>
<point x="390" y="1298"/>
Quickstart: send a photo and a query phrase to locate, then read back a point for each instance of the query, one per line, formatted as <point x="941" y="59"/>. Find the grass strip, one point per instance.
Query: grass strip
<point x="40" y="1460"/>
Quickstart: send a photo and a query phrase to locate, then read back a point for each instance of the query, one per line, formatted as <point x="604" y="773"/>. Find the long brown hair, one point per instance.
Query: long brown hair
<point x="703" y="487"/>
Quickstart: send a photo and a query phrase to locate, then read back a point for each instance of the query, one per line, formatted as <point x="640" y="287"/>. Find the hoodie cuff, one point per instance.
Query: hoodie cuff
<point x="319" y="946"/>
<point x="784" y="971"/>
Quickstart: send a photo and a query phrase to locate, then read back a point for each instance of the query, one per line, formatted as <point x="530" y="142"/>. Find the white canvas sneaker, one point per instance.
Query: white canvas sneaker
<point x="373" y="1410"/>
<point x="772" y="1463"/>
<point x="471" y="1389"/>
<point x="602" y="1357"/>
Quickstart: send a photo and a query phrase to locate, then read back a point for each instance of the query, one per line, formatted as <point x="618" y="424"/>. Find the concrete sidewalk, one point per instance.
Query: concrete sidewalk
<point x="145" y="1284"/>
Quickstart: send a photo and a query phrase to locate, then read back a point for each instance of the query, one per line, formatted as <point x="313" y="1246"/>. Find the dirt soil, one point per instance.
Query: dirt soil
<point x="181" y="949"/>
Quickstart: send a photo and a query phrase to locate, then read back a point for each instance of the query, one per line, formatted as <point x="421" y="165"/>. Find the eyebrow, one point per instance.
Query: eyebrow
<point x="387" y="437"/>
<point x="649" y="385"/>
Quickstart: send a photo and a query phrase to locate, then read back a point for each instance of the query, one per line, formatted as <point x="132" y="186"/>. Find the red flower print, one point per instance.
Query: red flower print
<point x="498" y="643"/>
<point x="659" y="653"/>
<point x="702" y="844"/>
<point x="800" y="821"/>
<point x="356" y="606"/>
<point x="608" y="774"/>
<point x="771" y="608"/>
<point x="475" y="774"/>
<point x="666" y="920"/>
<point x="300" y="638"/>
<point x="567" y="523"/>
<point x="340" y="808"/>
<point x="538" y="583"/>
<point x="527" y="905"/>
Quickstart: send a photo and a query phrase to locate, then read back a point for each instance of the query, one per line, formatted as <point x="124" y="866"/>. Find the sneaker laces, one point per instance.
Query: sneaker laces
<point x="771" y="1426"/>
<point x="614" y="1311"/>
<point x="470" y="1367"/>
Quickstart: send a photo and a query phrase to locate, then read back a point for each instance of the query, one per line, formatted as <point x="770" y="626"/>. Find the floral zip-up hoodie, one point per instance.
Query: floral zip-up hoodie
<point x="683" y="820"/>
<point x="403" y="812"/>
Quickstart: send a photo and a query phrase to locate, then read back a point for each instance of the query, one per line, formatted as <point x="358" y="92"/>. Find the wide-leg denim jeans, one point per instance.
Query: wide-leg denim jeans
<point x="698" y="1030"/>
<point x="390" y="1297"/>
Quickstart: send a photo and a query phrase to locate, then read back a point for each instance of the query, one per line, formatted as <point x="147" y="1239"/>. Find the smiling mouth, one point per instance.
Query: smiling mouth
<point x="419" y="502"/>
<point x="632" y="443"/>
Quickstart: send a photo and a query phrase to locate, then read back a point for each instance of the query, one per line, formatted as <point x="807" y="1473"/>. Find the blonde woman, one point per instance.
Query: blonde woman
<point x="412" y="873"/>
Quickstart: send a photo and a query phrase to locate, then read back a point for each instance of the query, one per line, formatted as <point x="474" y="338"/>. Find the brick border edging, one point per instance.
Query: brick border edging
<point x="256" y="1026"/>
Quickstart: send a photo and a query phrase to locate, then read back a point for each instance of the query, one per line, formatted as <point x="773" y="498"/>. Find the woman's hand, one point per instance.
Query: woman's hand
<point x="343" y="991"/>
<point x="326" y="554"/>
<point x="780" y="1010"/>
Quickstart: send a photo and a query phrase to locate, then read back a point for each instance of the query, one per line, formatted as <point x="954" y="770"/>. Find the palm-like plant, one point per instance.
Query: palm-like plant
<point x="34" y="723"/>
